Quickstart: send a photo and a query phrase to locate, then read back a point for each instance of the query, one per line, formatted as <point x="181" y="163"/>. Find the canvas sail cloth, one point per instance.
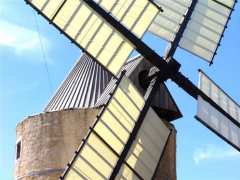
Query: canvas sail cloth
<point x="102" y="147"/>
<point x="83" y="26"/>
<point x="205" y="27"/>
<point x="225" y="126"/>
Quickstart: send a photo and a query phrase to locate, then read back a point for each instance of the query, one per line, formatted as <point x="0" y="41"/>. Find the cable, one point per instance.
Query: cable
<point x="43" y="52"/>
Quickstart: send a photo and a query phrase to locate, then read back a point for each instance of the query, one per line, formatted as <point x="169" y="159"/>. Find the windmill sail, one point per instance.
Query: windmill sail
<point x="135" y="15"/>
<point x="128" y="137"/>
<point x="147" y="148"/>
<point x="226" y="126"/>
<point x="204" y="29"/>
<point x="100" y="151"/>
<point x="167" y="23"/>
<point x="82" y="25"/>
<point x="218" y="123"/>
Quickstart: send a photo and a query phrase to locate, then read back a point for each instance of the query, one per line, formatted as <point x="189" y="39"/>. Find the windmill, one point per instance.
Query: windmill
<point x="108" y="32"/>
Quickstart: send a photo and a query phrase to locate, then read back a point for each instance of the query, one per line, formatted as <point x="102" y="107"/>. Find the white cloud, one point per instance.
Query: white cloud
<point x="211" y="152"/>
<point x="19" y="38"/>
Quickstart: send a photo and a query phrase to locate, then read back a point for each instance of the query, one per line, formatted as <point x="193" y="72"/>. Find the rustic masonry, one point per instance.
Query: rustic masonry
<point x="48" y="136"/>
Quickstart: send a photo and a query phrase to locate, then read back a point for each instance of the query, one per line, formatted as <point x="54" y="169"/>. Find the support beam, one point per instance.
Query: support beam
<point x="141" y="47"/>
<point x="194" y="91"/>
<point x="183" y="82"/>
<point x="172" y="67"/>
<point x="179" y="78"/>
<point x="164" y="67"/>
<point x="171" y="51"/>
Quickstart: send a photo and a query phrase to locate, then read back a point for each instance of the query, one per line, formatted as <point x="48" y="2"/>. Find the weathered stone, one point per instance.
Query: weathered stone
<point x="49" y="140"/>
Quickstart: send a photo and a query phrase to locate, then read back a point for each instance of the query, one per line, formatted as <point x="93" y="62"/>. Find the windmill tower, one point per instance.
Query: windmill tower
<point x="129" y="136"/>
<point x="56" y="132"/>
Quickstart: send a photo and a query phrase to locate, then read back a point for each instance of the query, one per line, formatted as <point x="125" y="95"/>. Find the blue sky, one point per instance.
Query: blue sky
<point x="25" y="88"/>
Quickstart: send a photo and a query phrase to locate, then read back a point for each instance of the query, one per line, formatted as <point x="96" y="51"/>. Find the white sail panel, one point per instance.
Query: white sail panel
<point x="166" y="25"/>
<point x="148" y="146"/>
<point x="229" y="3"/>
<point x="118" y="119"/>
<point x="194" y="48"/>
<point x="212" y="90"/>
<point x="218" y="123"/>
<point x="95" y="161"/>
<point x="102" y="147"/>
<point x="135" y="15"/>
<point x="205" y="28"/>
<point x="126" y="173"/>
<point x="93" y="34"/>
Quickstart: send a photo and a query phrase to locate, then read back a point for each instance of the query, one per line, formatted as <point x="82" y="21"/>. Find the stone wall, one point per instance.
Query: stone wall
<point x="48" y="142"/>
